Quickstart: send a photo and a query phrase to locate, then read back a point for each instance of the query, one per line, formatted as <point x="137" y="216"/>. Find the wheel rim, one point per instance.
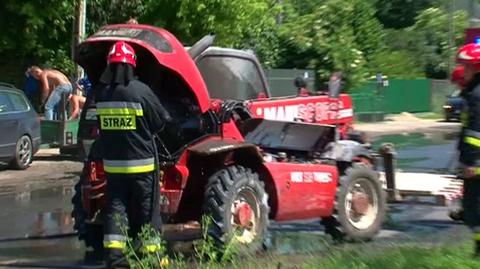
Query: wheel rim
<point x="362" y="192"/>
<point x="24" y="151"/>
<point x="245" y="211"/>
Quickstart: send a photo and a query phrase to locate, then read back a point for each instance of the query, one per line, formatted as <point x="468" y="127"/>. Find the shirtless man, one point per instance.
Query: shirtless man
<point x="53" y="84"/>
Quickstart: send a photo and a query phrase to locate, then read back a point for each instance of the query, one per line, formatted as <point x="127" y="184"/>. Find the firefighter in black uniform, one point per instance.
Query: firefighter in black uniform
<point x="129" y="116"/>
<point x="456" y="77"/>
<point x="469" y="144"/>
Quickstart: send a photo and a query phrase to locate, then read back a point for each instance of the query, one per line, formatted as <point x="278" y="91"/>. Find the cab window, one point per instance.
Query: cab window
<point x="230" y="77"/>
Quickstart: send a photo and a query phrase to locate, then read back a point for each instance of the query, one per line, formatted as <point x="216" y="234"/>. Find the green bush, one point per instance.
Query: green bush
<point x="396" y="64"/>
<point x="206" y="253"/>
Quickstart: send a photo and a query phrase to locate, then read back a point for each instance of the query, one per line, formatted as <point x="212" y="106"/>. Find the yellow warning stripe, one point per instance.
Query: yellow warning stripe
<point x="472" y="141"/>
<point x="119" y="111"/>
<point x="114" y="244"/>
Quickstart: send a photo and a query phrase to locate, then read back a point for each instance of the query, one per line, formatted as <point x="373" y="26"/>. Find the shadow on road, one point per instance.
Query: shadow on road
<point x="50" y="158"/>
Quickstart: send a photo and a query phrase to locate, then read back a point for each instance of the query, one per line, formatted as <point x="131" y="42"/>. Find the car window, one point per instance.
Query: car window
<point x="18" y="101"/>
<point x="5" y="103"/>
<point x="231" y="77"/>
<point x="455" y="93"/>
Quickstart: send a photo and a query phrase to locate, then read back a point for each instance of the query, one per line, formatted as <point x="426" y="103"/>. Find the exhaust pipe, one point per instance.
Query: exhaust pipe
<point x="201" y="46"/>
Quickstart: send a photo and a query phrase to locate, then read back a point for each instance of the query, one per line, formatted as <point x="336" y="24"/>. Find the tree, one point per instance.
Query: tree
<point x="429" y="40"/>
<point x="236" y="23"/>
<point x="103" y="12"/>
<point x="37" y="30"/>
<point x="397" y="64"/>
<point x="335" y="36"/>
<point x="369" y="33"/>
<point x="399" y="14"/>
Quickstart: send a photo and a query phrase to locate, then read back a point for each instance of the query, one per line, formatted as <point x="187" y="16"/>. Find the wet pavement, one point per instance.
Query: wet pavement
<point x="45" y="211"/>
<point x="37" y="213"/>
<point x="423" y="152"/>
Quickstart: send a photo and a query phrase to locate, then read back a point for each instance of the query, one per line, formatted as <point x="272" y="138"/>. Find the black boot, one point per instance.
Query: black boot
<point x="115" y="259"/>
<point x="93" y="257"/>
<point x="477" y="249"/>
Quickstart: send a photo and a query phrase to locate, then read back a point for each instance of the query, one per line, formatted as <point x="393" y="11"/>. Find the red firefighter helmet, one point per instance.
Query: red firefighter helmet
<point x="469" y="54"/>
<point x="457" y="76"/>
<point x="121" y="52"/>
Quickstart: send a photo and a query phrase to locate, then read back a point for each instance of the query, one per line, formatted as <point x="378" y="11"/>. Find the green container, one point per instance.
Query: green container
<point x="59" y="133"/>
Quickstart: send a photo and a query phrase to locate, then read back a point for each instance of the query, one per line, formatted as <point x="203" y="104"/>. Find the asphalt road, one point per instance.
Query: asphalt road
<point x="37" y="202"/>
<point x="47" y="170"/>
<point x="410" y="222"/>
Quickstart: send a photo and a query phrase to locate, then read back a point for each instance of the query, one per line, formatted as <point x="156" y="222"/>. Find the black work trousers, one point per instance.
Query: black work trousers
<point x="471" y="203"/>
<point x="130" y="204"/>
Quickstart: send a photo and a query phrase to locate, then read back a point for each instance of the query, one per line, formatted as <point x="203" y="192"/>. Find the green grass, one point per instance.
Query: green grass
<point x="358" y="256"/>
<point x="375" y="255"/>
<point x="458" y="256"/>
<point x="351" y="256"/>
<point x="455" y="256"/>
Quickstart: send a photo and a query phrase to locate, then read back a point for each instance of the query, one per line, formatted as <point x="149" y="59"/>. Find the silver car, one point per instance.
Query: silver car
<point x="19" y="128"/>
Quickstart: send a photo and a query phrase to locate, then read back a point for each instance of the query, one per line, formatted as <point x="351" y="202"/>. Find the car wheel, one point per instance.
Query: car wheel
<point x="23" y="153"/>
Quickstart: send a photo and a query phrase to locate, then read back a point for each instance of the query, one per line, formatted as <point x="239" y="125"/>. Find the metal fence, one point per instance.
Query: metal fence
<point x="399" y="96"/>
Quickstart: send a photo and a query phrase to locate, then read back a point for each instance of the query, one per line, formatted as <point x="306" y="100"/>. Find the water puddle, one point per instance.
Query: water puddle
<point x="34" y="214"/>
<point x="423" y="152"/>
<point x="38" y="212"/>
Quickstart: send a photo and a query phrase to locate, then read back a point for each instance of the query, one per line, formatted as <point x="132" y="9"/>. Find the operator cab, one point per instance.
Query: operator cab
<point x="232" y="74"/>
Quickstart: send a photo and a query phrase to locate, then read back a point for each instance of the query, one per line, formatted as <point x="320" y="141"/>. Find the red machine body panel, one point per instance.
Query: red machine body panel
<point x="303" y="190"/>
<point x="319" y="109"/>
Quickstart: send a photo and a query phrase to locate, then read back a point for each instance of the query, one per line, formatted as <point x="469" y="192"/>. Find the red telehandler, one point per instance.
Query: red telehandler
<point x="220" y="161"/>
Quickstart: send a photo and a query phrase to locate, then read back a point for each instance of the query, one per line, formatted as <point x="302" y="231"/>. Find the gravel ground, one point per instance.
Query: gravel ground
<point x="405" y="123"/>
<point x="48" y="169"/>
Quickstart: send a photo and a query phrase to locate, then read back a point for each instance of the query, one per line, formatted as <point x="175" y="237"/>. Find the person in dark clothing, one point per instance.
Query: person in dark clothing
<point x="31" y="86"/>
<point x="469" y="143"/>
<point x="301" y="86"/>
<point x="129" y="115"/>
<point x="457" y="78"/>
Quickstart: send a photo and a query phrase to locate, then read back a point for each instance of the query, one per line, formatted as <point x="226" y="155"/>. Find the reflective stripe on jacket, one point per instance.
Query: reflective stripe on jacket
<point x="129" y="166"/>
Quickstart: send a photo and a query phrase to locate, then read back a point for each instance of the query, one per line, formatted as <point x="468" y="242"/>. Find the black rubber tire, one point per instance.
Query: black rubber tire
<point x="17" y="162"/>
<point x="338" y="225"/>
<point x="220" y="194"/>
<point x="91" y="234"/>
